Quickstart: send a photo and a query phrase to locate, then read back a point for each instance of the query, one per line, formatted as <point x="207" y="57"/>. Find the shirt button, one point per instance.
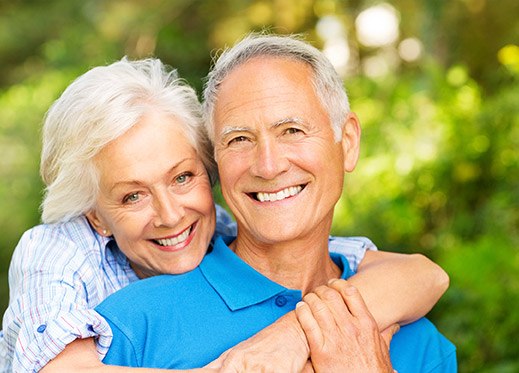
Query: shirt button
<point x="41" y="328"/>
<point x="281" y="301"/>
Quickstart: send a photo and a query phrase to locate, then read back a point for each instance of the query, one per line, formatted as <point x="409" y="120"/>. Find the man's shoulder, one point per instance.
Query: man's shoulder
<point x="420" y="347"/>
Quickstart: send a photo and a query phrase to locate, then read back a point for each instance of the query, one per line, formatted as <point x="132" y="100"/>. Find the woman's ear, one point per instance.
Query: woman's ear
<point x="97" y="223"/>
<point x="351" y="141"/>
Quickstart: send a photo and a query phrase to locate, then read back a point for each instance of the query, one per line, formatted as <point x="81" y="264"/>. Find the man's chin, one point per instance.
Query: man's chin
<point x="272" y="233"/>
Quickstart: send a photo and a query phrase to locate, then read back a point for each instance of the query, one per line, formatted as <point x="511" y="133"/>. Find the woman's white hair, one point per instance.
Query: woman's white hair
<point x="97" y="108"/>
<point x="327" y="83"/>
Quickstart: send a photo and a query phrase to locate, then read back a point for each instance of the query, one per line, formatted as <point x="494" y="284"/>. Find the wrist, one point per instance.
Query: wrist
<point x="293" y="328"/>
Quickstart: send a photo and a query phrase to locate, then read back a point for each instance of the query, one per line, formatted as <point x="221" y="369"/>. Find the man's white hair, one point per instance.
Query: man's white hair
<point x="327" y="83"/>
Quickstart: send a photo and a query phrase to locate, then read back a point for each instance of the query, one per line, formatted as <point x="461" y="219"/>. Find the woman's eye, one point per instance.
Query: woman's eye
<point x="181" y="179"/>
<point x="132" y="197"/>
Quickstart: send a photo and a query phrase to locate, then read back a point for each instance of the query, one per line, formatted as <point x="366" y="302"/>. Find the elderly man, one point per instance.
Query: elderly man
<point x="283" y="137"/>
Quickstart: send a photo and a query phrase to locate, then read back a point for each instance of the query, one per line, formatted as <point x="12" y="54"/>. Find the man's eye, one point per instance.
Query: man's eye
<point x="132" y="197"/>
<point x="238" y="139"/>
<point x="292" y="131"/>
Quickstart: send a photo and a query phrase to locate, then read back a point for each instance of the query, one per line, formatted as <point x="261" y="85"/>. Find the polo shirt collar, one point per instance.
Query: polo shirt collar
<point x="239" y="284"/>
<point x="235" y="281"/>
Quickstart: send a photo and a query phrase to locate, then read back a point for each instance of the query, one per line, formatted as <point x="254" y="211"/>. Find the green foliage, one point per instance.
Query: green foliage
<point x="438" y="172"/>
<point x="479" y="308"/>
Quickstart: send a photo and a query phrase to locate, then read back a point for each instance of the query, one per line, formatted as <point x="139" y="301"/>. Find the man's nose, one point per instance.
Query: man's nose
<point x="168" y="210"/>
<point x="270" y="159"/>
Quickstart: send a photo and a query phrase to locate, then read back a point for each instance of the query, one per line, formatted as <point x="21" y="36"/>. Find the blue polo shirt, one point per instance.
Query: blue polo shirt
<point x="186" y="321"/>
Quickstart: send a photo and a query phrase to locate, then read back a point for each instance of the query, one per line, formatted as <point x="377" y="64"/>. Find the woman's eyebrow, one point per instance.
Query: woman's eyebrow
<point x="132" y="182"/>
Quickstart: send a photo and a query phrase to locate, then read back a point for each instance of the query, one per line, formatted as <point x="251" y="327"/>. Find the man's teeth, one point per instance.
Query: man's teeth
<point x="175" y="240"/>
<point x="282" y="194"/>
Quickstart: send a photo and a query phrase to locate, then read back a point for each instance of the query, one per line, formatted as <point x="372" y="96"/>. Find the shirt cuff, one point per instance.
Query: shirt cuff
<point x="52" y="337"/>
<point x="353" y="248"/>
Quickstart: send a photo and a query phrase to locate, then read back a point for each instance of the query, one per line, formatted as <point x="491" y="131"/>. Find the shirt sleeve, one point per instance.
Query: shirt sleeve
<point x="52" y="291"/>
<point x="448" y="364"/>
<point x="353" y="248"/>
<point x="122" y="351"/>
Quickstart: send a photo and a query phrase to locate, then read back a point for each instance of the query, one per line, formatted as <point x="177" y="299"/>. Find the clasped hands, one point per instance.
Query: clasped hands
<point x="331" y="330"/>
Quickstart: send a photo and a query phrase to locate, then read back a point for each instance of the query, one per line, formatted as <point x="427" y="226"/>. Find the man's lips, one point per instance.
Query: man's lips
<point x="279" y="195"/>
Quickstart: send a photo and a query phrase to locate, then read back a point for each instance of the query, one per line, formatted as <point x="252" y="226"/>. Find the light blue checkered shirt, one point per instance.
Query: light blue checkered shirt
<point x="60" y="272"/>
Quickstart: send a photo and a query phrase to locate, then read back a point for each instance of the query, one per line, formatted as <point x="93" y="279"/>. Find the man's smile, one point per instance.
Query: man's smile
<point x="279" y="195"/>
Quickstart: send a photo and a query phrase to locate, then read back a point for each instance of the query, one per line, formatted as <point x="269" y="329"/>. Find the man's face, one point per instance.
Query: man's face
<point x="281" y="170"/>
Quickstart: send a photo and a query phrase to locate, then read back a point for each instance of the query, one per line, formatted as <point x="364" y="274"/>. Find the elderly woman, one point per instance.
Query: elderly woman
<point x="128" y="172"/>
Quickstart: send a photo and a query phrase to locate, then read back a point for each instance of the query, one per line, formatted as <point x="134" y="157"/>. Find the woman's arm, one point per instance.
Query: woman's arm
<point x="396" y="288"/>
<point x="399" y="288"/>
<point x="80" y="356"/>
<point x="280" y="347"/>
<point x="52" y="279"/>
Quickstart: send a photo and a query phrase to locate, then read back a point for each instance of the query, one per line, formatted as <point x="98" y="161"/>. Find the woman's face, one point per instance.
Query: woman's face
<point x="155" y="197"/>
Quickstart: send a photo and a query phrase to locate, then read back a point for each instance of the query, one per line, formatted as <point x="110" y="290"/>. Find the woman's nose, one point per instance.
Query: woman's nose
<point x="168" y="211"/>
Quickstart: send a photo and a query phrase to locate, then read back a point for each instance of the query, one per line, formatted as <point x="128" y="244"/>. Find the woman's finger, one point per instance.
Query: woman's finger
<point x="388" y="333"/>
<point x="335" y="303"/>
<point x="309" y="325"/>
<point x="352" y="298"/>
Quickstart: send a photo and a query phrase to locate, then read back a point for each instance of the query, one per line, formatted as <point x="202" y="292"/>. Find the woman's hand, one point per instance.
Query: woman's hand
<point x="341" y="333"/>
<point x="281" y="347"/>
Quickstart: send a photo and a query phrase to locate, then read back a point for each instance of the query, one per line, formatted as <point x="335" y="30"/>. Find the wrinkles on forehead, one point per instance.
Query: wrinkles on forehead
<point x="234" y="114"/>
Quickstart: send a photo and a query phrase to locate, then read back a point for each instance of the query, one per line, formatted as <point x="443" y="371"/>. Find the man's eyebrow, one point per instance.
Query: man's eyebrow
<point x="230" y="129"/>
<point x="288" y="120"/>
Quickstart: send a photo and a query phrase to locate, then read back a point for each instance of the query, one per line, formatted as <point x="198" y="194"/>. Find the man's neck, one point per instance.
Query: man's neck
<point x="301" y="264"/>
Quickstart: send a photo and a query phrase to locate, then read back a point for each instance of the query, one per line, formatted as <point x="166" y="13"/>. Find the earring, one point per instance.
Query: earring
<point x="105" y="232"/>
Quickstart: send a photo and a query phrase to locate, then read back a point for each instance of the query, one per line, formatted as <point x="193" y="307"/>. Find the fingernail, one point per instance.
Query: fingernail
<point x="299" y="304"/>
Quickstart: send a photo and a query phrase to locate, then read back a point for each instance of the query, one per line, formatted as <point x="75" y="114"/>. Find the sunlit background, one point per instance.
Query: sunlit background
<point x="435" y="84"/>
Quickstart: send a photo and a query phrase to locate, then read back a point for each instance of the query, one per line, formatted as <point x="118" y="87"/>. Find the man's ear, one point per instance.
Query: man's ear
<point x="98" y="224"/>
<point x="351" y="141"/>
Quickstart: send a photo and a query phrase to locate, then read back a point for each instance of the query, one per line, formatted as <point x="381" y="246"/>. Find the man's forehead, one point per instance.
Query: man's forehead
<point x="267" y="90"/>
<point x="267" y="65"/>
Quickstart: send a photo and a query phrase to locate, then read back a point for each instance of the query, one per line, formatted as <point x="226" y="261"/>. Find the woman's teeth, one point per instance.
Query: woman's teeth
<point x="175" y="240"/>
<point x="282" y="194"/>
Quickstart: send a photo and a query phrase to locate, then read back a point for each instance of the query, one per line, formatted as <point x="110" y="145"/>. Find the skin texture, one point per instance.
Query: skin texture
<point x="150" y="190"/>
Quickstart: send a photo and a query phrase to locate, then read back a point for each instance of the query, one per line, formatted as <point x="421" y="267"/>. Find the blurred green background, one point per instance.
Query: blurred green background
<point x="435" y="84"/>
